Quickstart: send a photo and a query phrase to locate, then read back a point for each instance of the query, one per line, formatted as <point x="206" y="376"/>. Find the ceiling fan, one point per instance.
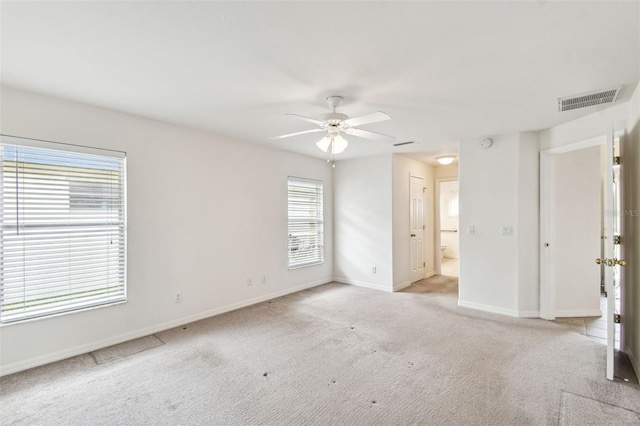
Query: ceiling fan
<point x="335" y="123"/>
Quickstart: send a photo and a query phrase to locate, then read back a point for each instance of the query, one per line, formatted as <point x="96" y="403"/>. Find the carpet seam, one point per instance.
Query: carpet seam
<point x="602" y="402"/>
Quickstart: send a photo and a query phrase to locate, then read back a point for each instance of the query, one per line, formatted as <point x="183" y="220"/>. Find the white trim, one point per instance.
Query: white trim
<point x="429" y="274"/>
<point x="402" y="285"/>
<point x="547" y="284"/>
<point x="83" y="349"/>
<point x="598" y="140"/>
<point x="579" y="313"/>
<point x="363" y="284"/>
<point x="529" y="314"/>
<point x="488" y="308"/>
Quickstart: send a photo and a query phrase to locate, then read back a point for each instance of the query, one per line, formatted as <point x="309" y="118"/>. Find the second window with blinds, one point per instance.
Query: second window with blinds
<point x="305" y="222"/>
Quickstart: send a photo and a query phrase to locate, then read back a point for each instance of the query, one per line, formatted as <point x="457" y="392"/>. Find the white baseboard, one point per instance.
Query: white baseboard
<point x="93" y="346"/>
<point x="430" y="274"/>
<point x="529" y="314"/>
<point x="401" y="286"/>
<point x="363" y="284"/>
<point x="488" y="308"/>
<point x="579" y="313"/>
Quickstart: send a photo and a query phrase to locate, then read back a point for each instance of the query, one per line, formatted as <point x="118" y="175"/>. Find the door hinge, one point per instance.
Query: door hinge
<point x="617" y="239"/>
<point x="617" y="318"/>
<point x="424" y="189"/>
<point x="424" y="264"/>
<point x="616" y="160"/>
<point x="423" y="227"/>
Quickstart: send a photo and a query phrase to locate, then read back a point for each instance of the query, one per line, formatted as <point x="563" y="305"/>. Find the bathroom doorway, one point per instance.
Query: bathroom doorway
<point x="447" y="227"/>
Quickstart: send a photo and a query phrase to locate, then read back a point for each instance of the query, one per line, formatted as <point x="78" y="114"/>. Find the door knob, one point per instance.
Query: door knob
<point x="413" y="235"/>
<point x="611" y="262"/>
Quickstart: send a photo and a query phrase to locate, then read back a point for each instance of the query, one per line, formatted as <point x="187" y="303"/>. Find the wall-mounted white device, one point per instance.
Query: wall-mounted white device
<point x="486" y="143"/>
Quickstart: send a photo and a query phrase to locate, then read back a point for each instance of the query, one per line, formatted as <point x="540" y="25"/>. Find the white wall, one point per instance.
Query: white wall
<point x="403" y="168"/>
<point x="528" y="224"/>
<point x="448" y="171"/>
<point x="587" y="127"/>
<point x="577" y="224"/>
<point x="488" y="200"/>
<point x="449" y="190"/>
<point x="497" y="185"/>
<point x="363" y="222"/>
<point x="204" y="213"/>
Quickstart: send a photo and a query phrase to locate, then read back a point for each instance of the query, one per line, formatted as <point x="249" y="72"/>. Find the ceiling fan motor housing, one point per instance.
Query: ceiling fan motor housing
<point x="335" y="117"/>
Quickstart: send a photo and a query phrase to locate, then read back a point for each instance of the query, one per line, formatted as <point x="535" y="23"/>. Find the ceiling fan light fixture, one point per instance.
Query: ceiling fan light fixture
<point x="337" y="143"/>
<point x="324" y="143"/>
<point x="445" y="159"/>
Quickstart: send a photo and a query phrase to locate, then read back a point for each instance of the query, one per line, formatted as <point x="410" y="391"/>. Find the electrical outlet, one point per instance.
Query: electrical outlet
<point x="250" y="281"/>
<point x="264" y="278"/>
<point x="373" y="269"/>
<point x="506" y="231"/>
<point x="178" y="297"/>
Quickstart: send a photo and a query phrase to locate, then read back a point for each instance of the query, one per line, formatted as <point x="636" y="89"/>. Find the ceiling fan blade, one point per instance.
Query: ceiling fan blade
<point x="370" y="135"/>
<point x="367" y="118"/>
<point x="297" y="133"/>
<point x="310" y="120"/>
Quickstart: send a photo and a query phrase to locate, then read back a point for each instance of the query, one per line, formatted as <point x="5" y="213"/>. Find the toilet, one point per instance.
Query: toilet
<point x="442" y="250"/>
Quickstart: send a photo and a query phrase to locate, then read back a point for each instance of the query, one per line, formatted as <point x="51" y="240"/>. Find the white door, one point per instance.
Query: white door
<point x="608" y="253"/>
<point x="611" y="261"/>
<point x="416" y="219"/>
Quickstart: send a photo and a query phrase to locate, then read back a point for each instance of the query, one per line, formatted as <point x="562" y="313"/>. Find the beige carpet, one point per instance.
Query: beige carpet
<point x="334" y="354"/>
<point x="126" y="349"/>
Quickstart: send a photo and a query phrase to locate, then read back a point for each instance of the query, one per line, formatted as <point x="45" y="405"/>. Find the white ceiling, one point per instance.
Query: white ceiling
<point x="445" y="71"/>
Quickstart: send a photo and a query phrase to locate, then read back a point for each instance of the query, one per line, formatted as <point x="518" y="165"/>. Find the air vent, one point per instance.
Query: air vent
<point x="404" y="143"/>
<point x="598" y="97"/>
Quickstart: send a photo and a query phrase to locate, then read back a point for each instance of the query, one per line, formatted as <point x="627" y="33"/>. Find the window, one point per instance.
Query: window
<point x="305" y="223"/>
<point x="453" y="204"/>
<point x="62" y="228"/>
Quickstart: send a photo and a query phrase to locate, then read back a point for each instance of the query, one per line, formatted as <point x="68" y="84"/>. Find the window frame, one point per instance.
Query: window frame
<point x="317" y="219"/>
<point x="79" y="151"/>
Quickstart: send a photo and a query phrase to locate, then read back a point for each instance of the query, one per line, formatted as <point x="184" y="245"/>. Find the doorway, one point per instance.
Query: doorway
<point x="447" y="227"/>
<point x="578" y="197"/>
<point x="572" y="217"/>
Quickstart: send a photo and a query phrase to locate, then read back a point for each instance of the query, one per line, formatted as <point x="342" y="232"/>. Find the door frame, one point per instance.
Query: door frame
<point x="547" y="207"/>
<point x="437" y="227"/>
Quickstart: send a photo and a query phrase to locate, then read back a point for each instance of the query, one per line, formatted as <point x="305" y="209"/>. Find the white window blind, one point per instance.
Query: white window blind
<point x="305" y="222"/>
<point x="62" y="243"/>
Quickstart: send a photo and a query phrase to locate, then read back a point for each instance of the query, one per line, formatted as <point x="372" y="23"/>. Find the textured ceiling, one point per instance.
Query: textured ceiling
<point x="445" y="71"/>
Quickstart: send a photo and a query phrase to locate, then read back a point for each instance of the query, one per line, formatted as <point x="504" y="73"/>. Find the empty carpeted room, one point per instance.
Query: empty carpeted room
<point x="234" y="213"/>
